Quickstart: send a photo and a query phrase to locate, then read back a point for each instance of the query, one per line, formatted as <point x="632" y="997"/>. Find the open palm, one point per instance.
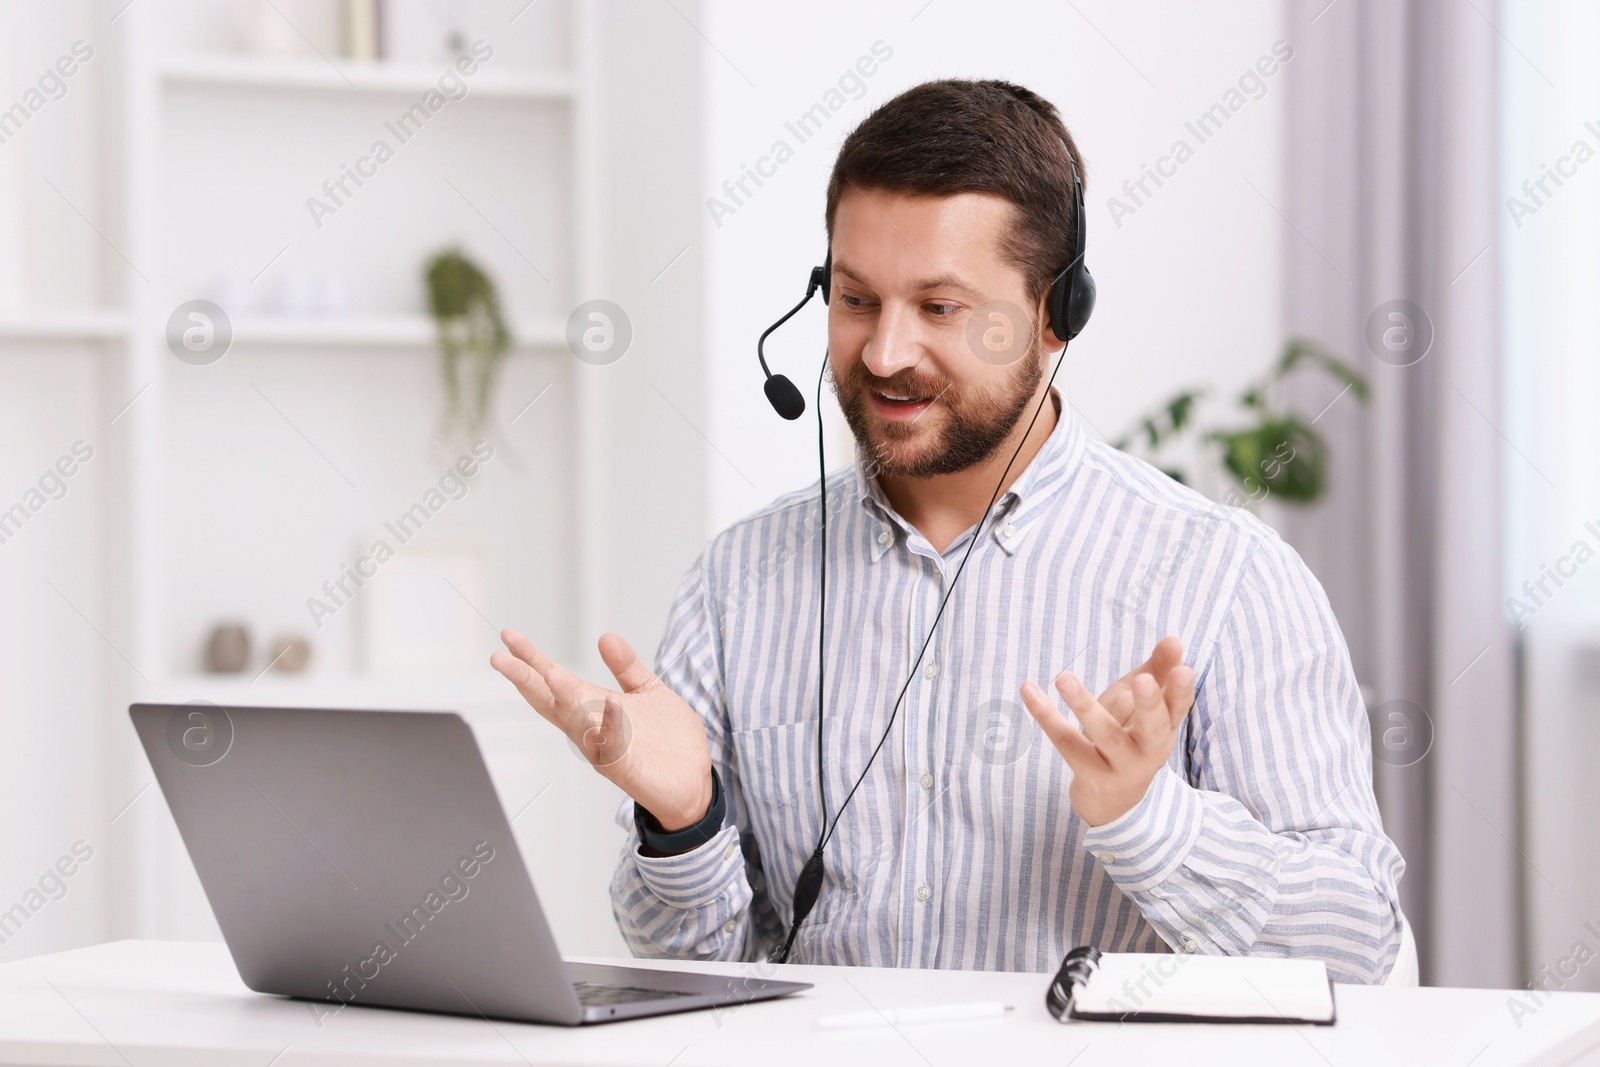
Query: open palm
<point x="643" y="736"/>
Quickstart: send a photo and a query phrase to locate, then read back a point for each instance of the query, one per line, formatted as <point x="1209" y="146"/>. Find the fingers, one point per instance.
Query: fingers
<point x="1167" y="654"/>
<point x="1151" y="722"/>
<point x="630" y="672"/>
<point x="525" y="650"/>
<point x="527" y="680"/>
<point x="556" y="693"/>
<point x="1099" y="725"/>
<point x="1077" y="750"/>
<point x="1179" y="694"/>
<point x="564" y="690"/>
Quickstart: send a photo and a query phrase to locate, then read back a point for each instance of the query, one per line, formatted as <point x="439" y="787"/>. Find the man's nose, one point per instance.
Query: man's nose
<point x="894" y="344"/>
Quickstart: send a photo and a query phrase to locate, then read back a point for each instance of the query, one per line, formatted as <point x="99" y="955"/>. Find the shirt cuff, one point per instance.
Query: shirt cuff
<point x="1142" y="847"/>
<point x="693" y="879"/>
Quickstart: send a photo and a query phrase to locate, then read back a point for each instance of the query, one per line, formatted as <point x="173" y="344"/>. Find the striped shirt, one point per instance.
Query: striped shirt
<point x="1261" y="835"/>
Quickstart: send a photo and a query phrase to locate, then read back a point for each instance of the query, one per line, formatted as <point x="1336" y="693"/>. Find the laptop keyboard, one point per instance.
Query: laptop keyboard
<point x="602" y="993"/>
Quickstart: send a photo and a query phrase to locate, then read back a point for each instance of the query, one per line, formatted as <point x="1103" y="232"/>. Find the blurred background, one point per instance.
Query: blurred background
<point x="270" y="270"/>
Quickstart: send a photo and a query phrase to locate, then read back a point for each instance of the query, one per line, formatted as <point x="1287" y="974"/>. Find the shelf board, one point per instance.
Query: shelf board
<point x="355" y="77"/>
<point x="65" y="326"/>
<point x="375" y="331"/>
<point x="453" y="690"/>
<point x="428" y="691"/>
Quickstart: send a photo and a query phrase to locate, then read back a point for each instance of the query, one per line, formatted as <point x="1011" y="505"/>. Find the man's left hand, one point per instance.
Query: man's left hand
<point x="1115" y="757"/>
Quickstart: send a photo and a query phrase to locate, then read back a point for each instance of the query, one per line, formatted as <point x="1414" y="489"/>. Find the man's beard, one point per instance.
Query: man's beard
<point x="974" y="425"/>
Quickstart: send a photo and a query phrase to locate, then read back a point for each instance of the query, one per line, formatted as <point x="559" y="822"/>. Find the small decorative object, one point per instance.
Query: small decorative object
<point x="433" y="33"/>
<point x="290" y="654"/>
<point x="228" y="648"/>
<point x="361" y="30"/>
<point x="1279" y="454"/>
<point x="473" y="337"/>
<point x="287" y="29"/>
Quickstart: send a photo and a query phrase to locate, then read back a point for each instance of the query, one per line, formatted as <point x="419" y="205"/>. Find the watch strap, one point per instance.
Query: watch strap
<point x="690" y="837"/>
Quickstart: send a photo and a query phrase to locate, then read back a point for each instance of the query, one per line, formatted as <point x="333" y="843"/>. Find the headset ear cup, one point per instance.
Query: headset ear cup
<point x="827" y="274"/>
<point x="1082" y="301"/>
<point x="1060" y="300"/>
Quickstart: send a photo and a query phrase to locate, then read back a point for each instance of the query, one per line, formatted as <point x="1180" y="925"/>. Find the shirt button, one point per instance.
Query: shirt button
<point x="931" y="671"/>
<point x="1190" y="945"/>
<point x="1008" y="530"/>
<point x="885" y="537"/>
<point x="927" y="780"/>
<point x="1104" y="857"/>
<point x="730" y="925"/>
<point x="923" y="892"/>
<point x="728" y="853"/>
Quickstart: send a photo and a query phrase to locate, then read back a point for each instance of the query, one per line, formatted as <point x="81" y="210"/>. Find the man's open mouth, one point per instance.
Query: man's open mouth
<point x="902" y="400"/>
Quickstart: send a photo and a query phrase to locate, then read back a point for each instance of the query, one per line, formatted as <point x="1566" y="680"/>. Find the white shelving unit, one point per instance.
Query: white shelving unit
<point x="154" y="84"/>
<point x="231" y="491"/>
<point x="156" y="97"/>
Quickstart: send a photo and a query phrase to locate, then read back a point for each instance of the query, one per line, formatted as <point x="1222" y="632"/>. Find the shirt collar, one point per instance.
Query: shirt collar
<point x="1044" y="476"/>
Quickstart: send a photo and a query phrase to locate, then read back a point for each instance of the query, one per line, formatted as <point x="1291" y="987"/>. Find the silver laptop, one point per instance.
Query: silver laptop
<point x="363" y="858"/>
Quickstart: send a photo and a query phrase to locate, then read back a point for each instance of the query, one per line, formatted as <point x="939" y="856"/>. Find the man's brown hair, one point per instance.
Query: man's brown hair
<point x="954" y="136"/>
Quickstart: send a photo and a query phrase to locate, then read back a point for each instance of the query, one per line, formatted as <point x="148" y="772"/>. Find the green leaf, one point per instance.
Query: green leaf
<point x="1164" y="423"/>
<point x="1285" y="458"/>
<point x="1179" y="408"/>
<point x="1301" y="349"/>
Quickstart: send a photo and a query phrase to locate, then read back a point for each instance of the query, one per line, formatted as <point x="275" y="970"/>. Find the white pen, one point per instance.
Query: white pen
<point x="933" y="1013"/>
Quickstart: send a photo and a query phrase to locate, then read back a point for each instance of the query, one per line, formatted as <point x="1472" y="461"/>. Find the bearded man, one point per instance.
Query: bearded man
<point x="1216" y="797"/>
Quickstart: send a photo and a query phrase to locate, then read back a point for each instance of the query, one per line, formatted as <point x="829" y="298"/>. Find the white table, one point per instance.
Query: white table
<point x="182" y="1003"/>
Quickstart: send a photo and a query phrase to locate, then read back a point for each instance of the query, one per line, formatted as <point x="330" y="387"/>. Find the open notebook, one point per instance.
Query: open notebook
<point x="1160" y="987"/>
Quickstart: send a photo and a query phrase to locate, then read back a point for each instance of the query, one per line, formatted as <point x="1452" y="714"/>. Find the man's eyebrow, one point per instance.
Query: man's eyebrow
<point x="940" y="281"/>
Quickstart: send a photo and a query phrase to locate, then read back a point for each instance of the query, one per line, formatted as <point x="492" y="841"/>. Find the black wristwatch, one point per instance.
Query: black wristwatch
<point x="690" y="837"/>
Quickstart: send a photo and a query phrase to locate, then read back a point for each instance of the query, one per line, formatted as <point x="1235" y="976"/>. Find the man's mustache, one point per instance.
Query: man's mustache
<point x="905" y="383"/>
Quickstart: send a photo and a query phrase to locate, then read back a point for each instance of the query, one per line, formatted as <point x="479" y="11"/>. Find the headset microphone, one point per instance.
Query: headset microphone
<point x="786" y="399"/>
<point x="1069" y="303"/>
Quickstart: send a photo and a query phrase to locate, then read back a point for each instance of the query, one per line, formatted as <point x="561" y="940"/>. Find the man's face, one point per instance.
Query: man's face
<point x="932" y="344"/>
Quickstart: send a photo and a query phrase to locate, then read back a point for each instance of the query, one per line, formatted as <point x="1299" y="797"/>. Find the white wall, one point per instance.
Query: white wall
<point x="1187" y="285"/>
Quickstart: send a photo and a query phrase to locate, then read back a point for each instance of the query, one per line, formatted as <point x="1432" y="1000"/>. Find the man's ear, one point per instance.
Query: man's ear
<point x="1047" y="334"/>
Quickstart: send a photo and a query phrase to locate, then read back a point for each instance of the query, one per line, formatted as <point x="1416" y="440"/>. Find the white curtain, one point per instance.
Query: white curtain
<point x="1391" y="212"/>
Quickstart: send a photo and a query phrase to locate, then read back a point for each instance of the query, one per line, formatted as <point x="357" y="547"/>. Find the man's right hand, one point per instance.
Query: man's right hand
<point x="645" y="738"/>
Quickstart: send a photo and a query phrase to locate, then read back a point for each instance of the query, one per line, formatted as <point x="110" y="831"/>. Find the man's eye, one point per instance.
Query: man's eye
<point x="855" y="301"/>
<point x="941" y="310"/>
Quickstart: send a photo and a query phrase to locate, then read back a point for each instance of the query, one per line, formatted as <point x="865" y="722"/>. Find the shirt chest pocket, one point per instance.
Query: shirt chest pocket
<point x="777" y="768"/>
<point x="778" y="777"/>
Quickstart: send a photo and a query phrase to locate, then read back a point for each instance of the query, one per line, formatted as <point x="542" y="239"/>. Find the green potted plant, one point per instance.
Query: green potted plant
<point x="1275" y="453"/>
<point x="473" y="337"/>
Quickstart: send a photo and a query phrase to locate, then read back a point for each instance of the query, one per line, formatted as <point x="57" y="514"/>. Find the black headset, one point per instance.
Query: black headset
<point x="1070" y="303"/>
